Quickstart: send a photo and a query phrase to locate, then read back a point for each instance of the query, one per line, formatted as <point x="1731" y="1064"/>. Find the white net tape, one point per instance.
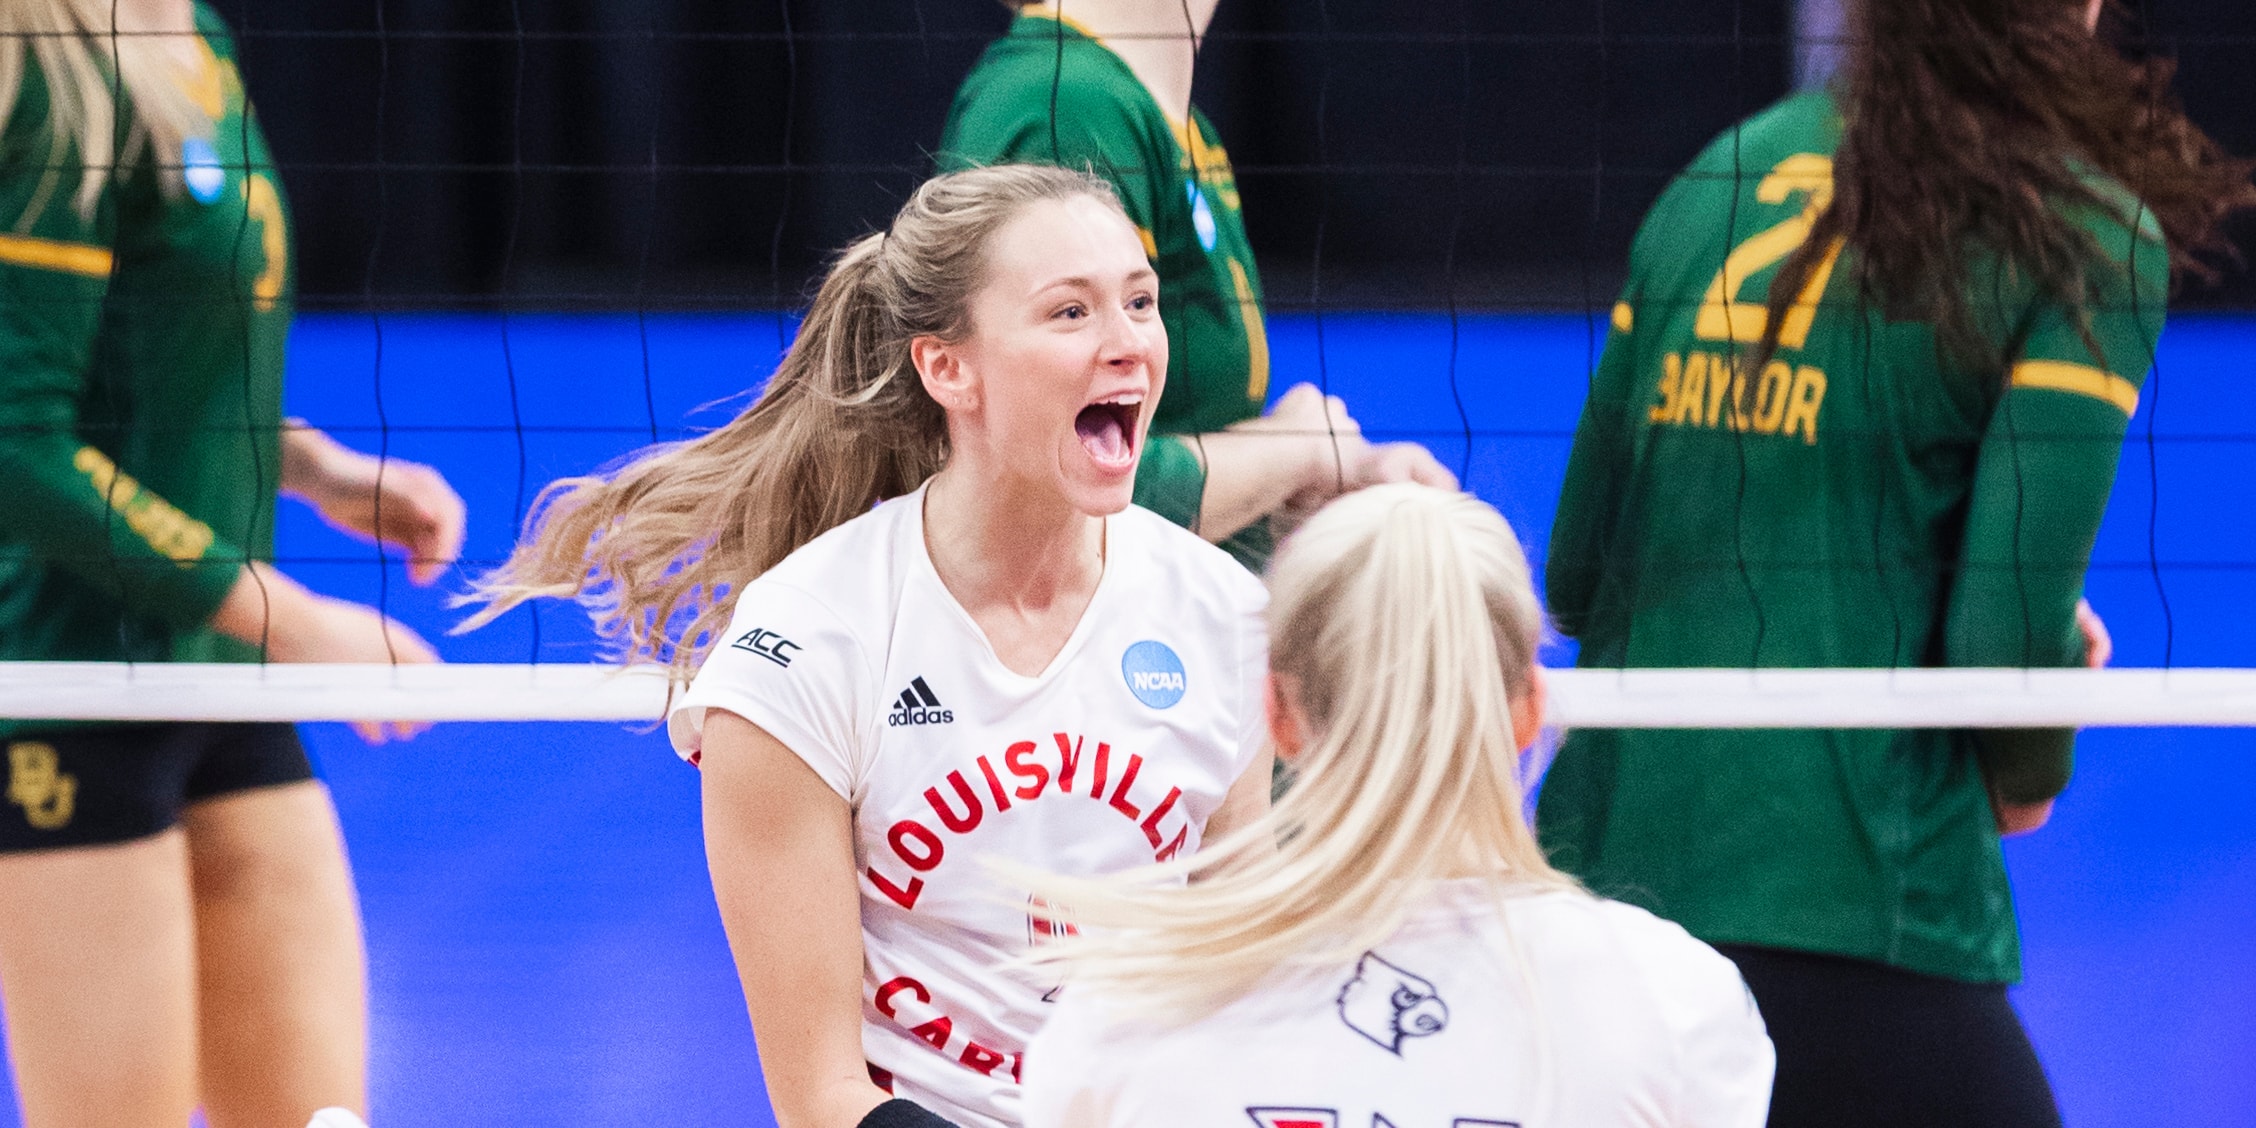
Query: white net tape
<point x="1907" y="698"/>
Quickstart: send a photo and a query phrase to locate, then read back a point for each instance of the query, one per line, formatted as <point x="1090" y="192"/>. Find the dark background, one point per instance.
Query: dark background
<point x="694" y="153"/>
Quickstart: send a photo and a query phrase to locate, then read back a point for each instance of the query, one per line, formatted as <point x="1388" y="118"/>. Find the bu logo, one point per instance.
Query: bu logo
<point x="48" y="796"/>
<point x="1387" y="1004"/>
<point x="767" y="644"/>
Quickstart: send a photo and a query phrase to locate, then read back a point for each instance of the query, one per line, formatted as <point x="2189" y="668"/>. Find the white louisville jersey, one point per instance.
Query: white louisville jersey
<point x="854" y="655"/>
<point x="1559" y="1010"/>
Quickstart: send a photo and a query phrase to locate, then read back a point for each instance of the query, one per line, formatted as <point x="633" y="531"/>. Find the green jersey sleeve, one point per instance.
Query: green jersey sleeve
<point x="63" y="500"/>
<point x="1595" y="466"/>
<point x="2045" y="467"/>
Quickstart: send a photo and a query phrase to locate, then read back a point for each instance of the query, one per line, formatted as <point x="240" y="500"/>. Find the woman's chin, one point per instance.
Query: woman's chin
<point x="1101" y="491"/>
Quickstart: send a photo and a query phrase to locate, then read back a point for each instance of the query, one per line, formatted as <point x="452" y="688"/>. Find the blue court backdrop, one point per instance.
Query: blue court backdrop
<point x="543" y="947"/>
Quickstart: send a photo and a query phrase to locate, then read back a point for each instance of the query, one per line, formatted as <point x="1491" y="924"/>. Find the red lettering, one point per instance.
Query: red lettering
<point x="1151" y="821"/>
<point x="906" y="898"/>
<point x="908" y="830"/>
<point x="981" y="1059"/>
<point x="1173" y="845"/>
<point x="935" y="1032"/>
<point x="973" y="812"/>
<point x="1015" y="756"/>
<point x="1016" y="1061"/>
<point x="1120" y="801"/>
<point x="1069" y="757"/>
<point x="994" y="786"/>
<point x="1103" y="750"/>
<point x="896" y="986"/>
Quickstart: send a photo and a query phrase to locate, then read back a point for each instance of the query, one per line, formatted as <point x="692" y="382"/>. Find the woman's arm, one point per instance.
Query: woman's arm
<point x="779" y="843"/>
<point x="1306" y="451"/>
<point x="387" y="500"/>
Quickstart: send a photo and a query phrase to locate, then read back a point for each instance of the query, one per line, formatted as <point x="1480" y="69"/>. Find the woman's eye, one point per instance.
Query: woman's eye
<point x="1141" y="302"/>
<point x="1072" y="312"/>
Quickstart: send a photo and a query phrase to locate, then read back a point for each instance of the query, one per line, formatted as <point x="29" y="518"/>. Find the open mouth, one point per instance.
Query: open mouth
<point x="1108" y="429"/>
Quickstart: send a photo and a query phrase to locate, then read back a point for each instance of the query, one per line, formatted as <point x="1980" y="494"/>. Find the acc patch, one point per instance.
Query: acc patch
<point x="200" y="170"/>
<point x="1154" y="674"/>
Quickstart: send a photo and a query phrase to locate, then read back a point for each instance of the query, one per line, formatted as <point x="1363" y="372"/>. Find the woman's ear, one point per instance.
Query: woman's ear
<point x="1288" y="727"/>
<point x="1527" y="711"/>
<point x="946" y="378"/>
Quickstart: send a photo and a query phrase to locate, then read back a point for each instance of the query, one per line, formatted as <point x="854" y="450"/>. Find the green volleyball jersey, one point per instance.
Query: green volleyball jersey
<point x="1049" y="93"/>
<point x="1861" y="501"/>
<point x="141" y="353"/>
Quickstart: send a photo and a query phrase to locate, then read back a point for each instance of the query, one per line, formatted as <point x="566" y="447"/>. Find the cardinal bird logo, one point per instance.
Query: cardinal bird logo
<point x="1387" y="1004"/>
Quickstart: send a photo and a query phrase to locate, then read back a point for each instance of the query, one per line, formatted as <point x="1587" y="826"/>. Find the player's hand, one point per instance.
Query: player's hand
<point x="2020" y="818"/>
<point x="406" y="505"/>
<point x="1315" y="433"/>
<point x="1404" y="462"/>
<point x="268" y="609"/>
<point x="2098" y="645"/>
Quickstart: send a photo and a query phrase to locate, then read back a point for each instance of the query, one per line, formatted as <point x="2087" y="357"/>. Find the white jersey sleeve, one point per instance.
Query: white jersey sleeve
<point x="1725" y="1057"/>
<point x="792" y="666"/>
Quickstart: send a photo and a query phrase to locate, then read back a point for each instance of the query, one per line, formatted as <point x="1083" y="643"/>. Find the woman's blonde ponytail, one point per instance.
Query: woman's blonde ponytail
<point x="653" y="547"/>
<point x="1404" y="620"/>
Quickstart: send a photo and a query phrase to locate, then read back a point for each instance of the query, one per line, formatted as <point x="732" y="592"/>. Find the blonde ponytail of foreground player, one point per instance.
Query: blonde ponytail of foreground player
<point x="1404" y="626"/>
<point x="844" y="424"/>
<point x="85" y="50"/>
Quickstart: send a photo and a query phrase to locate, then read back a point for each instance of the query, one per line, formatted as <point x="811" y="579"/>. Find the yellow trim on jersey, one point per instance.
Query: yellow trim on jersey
<point x="1151" y="244"/>
<point x="1624" y="317"/>
<point x="2077" y="379"/>
<point x="50" y="254"/>
<point x="206" y="84"/>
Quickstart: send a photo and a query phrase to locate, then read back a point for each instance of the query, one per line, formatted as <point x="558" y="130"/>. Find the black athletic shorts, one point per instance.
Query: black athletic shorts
<point x="116" y="783"/>
<point x="1864" y="1045"/>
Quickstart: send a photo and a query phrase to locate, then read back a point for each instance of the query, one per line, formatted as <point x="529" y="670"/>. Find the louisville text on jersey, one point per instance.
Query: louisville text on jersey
<point x="1069" y="768"/>
<point x="1712" y="390"/>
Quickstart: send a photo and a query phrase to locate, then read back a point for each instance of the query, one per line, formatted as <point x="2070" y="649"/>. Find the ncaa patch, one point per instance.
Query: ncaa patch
<point x="1202" y="215"/>
<point x="200" y="170"/>
<point x="1154" y="674"/>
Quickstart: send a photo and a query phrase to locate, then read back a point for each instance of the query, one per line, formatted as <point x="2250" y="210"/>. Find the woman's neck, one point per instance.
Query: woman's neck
<point x="156" y="15"/>
<point x="1158" y="39"/>
<point x="1022" y="562"/>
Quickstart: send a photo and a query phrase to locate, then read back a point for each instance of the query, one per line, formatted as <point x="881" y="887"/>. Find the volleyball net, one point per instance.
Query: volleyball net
<point x="1579" y="698"/>
<point x="530" y="245"/>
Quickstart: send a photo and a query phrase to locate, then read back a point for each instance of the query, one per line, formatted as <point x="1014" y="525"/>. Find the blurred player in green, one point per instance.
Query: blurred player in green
<point x="177" y="926"/>
<point x="1106" y="86"/>
<point x="1861" y="405"/>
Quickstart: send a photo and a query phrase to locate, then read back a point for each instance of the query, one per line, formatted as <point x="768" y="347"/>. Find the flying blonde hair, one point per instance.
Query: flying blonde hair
<point x="1404" y="618"/>
<point x="86" y="50"/>
<point x="844" y="424"/>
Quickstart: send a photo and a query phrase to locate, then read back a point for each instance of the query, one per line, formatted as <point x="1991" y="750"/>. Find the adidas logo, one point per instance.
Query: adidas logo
<point x="918" y="705"/>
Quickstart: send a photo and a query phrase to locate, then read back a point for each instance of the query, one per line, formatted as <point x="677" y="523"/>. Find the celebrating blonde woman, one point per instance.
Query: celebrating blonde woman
<point x="930" y="628"/>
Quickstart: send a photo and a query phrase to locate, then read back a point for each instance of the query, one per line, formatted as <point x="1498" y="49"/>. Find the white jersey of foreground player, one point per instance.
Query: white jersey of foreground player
<point x="1632" y="1023"/>
<point x="854" y="655"/>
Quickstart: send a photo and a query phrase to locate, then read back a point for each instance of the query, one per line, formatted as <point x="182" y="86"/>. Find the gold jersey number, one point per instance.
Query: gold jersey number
<point x="1723" y="317"/>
